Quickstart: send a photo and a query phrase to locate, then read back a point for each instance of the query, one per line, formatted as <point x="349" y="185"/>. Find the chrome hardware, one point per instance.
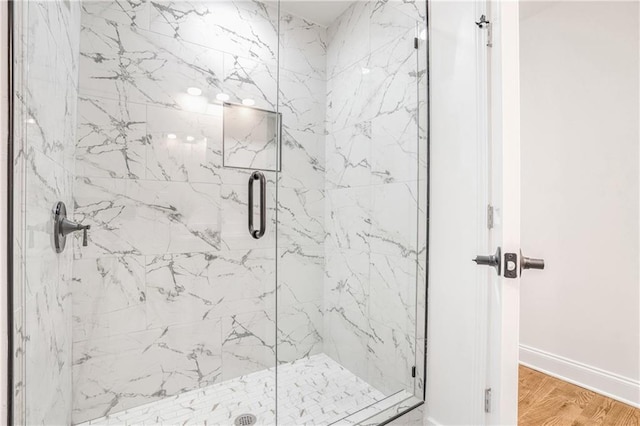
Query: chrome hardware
<point x="491" y="260"/>
<point x="263" y="205"/>
<point x="530" y="263"/>
<point x="482" y="22"/>
<point x="63" y="227"/>
<point x="487" y="400"/>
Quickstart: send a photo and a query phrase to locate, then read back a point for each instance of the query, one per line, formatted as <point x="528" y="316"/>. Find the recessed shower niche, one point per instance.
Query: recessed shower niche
<point x="250" y="137"/>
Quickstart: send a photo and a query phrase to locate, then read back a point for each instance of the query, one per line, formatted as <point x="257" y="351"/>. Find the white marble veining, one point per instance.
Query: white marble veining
<point x="46" y="83"/>
<point x="169" y="251"/>
<point x="372" y="169"/>
<point x="171" y="307"/>
<point x="314" y="390"/>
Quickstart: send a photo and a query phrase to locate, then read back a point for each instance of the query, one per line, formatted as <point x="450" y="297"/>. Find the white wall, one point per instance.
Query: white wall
<point x="580" y="318"/>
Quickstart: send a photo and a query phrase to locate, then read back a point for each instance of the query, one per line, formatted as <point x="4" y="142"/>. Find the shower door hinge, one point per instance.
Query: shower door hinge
<point x="416" y="42"/>
<point x="489" y="216"/>
<point x="413" y="371"/>
<point x="484" y="23"/>
<point x="487" y="400"/>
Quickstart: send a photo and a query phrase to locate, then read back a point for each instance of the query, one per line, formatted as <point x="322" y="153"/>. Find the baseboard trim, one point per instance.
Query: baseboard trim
<point x="431" y="422"/>
<point x="603" y="382"/>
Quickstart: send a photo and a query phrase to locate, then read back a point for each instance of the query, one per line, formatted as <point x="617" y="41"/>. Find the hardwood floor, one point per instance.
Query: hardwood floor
<point x="545" y="400"/>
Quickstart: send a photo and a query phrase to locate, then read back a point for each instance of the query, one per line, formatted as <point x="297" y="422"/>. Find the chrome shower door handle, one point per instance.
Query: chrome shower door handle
<point x="263" y="205"/>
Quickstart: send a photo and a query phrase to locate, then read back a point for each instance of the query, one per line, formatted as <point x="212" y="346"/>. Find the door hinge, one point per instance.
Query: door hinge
<point x="413" y="371"/>
<point x="489" y="216"/>
<point x="484" y="23"/>
<point x="416" y="42"/>
<point x="487" y="400"/>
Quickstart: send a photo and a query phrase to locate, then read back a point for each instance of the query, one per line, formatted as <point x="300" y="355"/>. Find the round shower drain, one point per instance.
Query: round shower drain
<point x="245" y="420"/>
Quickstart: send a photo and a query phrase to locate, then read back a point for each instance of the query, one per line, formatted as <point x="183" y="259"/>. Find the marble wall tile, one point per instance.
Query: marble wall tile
<point x="346" y="338"/>
<point x="348" y="38"/>
<point x="112" y="139"/>
<point x="391" y="356"/>
<point x="303" y="159"/>
<point x="109" y="296"/>
<point x="48" y="355"/>
<point x="245" y="78"/>
<point x="129" y="64"/>
<point x="300" y="274"/>
<point x="392" y="291"/>
<point x="393" y="79"/>
<point x="303" y="46"/>
<point x="416" y="9"/>
<point x="133" y="13"/>
<point x="347" y="329"/>
<point x="347" y="280"/>
<point x="302" y="102"/>
<point x="348" y="218"/>
<point x="126" y="370"/>
<point x="394" y="219"/>
<point x="199" y="286"/>
<point x="248" y="343"/>
<point x="395" y="155"/>
<point x="300" y="217"/>
<point x="147" y="217"/>
<point x="349" y="96"/>
<point x="392" y="22"/>
<point x="244" y="28"/>
<point x="299" y="331"/>
<point x="48" y="130"/>
<point x="61" y="21"/>
<point x="349" y="156"/>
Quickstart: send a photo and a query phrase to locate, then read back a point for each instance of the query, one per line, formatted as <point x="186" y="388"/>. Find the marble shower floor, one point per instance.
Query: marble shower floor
<point x="316" y="390"/>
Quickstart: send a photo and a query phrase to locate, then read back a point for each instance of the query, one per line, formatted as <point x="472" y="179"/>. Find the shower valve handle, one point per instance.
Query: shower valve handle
<point x="63" y="227"/>
<point x="68" y="226"/>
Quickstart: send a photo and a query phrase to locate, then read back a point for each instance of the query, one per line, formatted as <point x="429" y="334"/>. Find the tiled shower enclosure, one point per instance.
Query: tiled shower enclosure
<point x="173" y="312"/>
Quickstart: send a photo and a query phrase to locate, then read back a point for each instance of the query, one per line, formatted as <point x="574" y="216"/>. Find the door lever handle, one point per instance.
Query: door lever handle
<point x="494" y="260"/>
<point x="530" y="263"/>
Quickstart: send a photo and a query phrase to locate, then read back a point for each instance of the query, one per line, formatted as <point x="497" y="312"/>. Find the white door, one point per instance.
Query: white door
<point x="475" y="163"/>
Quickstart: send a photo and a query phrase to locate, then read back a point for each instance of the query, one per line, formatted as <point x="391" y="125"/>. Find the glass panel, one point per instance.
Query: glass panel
<point x="352" y="190"/>
<point x="168" y="314"/>
<point x="172" y="313"/>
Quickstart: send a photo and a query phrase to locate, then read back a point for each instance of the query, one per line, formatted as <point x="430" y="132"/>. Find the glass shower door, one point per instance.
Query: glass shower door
<point x="168" y="313"/>
<point x="351" y="211"/>
<point x="154" y="122"/>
